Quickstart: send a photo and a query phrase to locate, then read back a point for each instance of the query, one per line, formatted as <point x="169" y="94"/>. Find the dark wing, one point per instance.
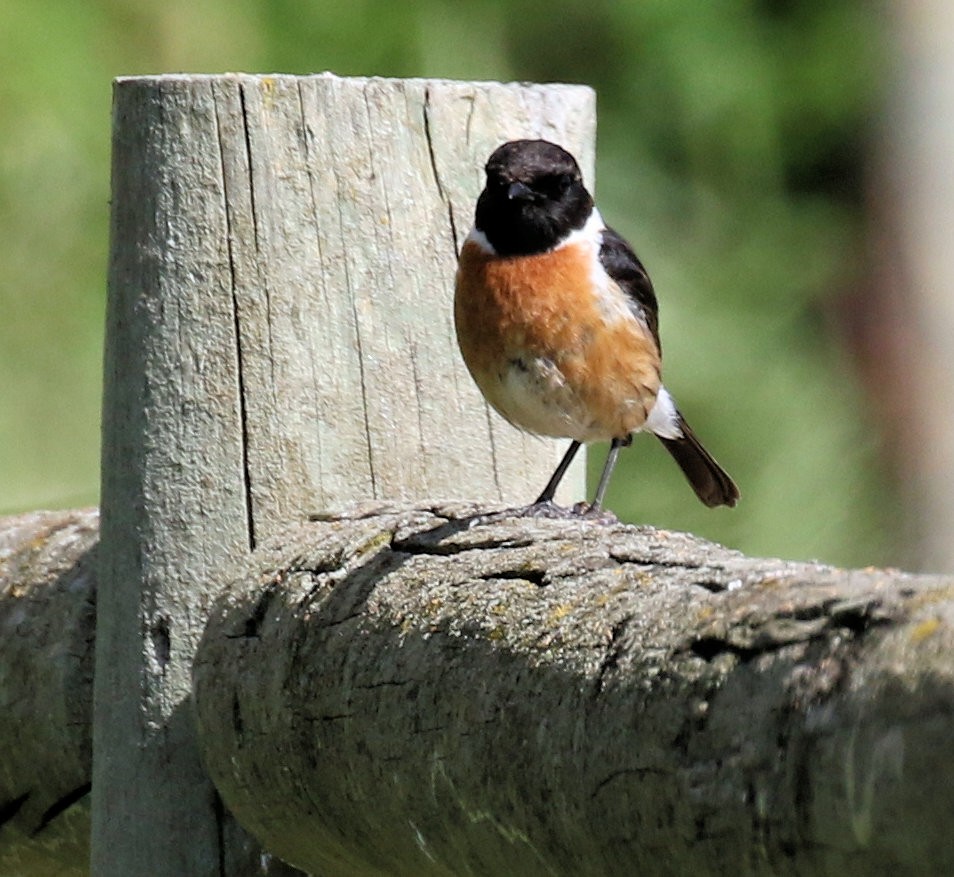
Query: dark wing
<point x="621" y="263"/>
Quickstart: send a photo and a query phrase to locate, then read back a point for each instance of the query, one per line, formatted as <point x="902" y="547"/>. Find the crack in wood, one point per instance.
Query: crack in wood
<point x="538" y="577"/>
<point x="428" y="138"/>
<point x="614" y="650"/>
<point x="359" y="349"/>
<point x="218" y="812"/>
<point x="9" y="809"/>
<point x="493" y="449"/>
<point x="236" y="323"/>
<point x="60" y="805"/>
<point x="761" y="636"/>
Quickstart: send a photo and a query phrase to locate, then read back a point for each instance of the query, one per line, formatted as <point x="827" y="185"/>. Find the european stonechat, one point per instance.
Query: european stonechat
<point x="557" y="321"/>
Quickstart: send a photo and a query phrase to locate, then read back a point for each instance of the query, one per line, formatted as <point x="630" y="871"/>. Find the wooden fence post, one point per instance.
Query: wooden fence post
<point x="279" y="341"/>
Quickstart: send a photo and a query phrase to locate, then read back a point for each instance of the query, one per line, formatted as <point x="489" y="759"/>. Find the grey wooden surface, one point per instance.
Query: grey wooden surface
<point x="279" y="340"/>
<point x="395" y="691"/>
<point x="47" y="634"/>
<point x="392" y="690"/>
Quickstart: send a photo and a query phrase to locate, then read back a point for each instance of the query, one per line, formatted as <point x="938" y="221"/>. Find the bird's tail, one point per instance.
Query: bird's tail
<point x="709" y="480"/>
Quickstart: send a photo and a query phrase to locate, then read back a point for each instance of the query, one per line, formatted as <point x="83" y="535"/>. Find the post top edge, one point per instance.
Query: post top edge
<point x="172" y="78"/>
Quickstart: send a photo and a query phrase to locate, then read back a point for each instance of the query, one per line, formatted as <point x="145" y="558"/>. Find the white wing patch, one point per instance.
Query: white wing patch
<point x="664" y="419"/>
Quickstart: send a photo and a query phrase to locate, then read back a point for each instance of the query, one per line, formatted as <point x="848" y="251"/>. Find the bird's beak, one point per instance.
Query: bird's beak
<point x="519" y="191"/>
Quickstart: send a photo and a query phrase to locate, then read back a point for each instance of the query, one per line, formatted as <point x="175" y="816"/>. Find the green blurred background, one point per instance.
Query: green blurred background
<point x="733" y="151"/>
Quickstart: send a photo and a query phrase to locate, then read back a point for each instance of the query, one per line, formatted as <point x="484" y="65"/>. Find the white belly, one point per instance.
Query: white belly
<point x="533" y="395"/>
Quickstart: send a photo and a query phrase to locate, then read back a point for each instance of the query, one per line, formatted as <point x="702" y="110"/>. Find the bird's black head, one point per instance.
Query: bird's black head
<point x="534" y="197"/>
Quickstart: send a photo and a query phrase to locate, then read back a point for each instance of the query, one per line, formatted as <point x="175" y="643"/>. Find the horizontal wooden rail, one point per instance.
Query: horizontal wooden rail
<point x="396" y="691"/>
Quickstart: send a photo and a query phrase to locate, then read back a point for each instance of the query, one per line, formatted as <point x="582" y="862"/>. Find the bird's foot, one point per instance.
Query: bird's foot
<point x="594" y="513"/>
<point x="549" y="509"/>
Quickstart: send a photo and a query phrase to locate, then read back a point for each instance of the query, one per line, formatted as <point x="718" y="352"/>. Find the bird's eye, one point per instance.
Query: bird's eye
<point x="555" y="185"/>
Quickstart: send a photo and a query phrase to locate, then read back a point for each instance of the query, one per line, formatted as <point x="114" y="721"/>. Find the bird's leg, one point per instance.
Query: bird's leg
<point x="543" y="506"/>
<point x="550" y="490"/>
<point x="608" y="468"/>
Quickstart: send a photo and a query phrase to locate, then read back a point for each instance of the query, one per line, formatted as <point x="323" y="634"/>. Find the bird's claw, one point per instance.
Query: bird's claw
<point x="550" y="510"/>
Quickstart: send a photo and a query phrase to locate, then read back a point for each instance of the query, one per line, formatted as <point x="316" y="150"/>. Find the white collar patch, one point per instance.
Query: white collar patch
<point x="589" y="233"/>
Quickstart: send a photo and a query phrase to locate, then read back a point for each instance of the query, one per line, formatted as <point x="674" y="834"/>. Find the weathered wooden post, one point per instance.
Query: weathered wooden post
<point x="279" y="341"/>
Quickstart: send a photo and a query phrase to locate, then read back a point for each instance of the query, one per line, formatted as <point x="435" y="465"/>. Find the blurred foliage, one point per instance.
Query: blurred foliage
<point x="731" y="152"/>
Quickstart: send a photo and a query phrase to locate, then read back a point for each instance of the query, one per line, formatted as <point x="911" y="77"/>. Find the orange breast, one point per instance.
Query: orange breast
<point x="553" y="349"/>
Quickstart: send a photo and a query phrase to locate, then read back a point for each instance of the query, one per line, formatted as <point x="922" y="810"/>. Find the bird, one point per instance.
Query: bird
<point x="557" y="322"/>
